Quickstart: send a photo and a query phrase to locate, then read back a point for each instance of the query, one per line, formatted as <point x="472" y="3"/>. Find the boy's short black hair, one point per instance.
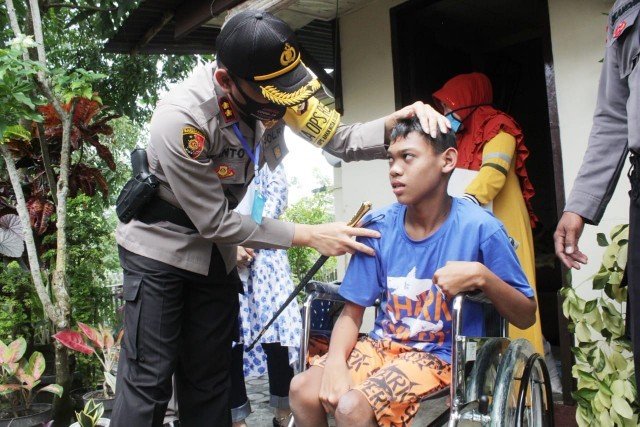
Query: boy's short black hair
<point x="440" y="143"/>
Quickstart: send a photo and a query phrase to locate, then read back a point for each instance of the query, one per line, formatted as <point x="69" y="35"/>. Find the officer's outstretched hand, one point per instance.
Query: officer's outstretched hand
<point x="430" y="119"/>
<point x="333" y="239"/>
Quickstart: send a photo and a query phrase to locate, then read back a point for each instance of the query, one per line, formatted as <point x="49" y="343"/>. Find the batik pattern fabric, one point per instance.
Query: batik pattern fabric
<point x="267" y="284"/>
<point x="394" y="378"/>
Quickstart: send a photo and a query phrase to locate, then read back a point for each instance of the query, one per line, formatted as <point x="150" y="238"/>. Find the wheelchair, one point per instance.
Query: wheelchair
<point x="495" y="381"/>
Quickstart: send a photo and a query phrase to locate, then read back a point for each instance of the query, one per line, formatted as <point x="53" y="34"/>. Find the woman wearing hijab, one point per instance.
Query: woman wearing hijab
<point x="491" y="142"/>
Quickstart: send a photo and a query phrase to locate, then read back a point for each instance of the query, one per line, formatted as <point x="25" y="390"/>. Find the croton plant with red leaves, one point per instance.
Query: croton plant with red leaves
<point x="89" y="122"/>
<point x="100" y="342"/>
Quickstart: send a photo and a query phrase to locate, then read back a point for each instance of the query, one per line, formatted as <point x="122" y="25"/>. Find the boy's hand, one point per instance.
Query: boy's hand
<point x="336" y="381"/>
<point x="464" y="276"/>
<point x="459" y="276"/>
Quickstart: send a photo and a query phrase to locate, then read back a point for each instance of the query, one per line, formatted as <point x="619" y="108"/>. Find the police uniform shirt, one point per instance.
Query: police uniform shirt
<point x="204" y="169"/>
<point x="615" y="125"/>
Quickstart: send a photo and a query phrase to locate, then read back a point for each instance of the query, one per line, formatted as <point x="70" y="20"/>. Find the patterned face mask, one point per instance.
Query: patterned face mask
<point x="257" y="110"/>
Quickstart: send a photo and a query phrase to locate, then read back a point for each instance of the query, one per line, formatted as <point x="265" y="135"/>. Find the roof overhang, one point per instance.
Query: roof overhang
<point x="191" y="26"/>
<point x="186" y="27"/>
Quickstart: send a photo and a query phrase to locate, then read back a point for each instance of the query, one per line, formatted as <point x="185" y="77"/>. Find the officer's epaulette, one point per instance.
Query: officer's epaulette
<point x="226" y="110"/>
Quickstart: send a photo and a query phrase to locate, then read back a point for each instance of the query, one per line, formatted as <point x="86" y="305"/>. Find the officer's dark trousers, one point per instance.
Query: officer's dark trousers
<point x="178" y="321"/>
<point x="633" y="263"/>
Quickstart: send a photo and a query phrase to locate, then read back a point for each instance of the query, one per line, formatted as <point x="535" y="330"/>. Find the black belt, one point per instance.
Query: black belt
<point x="160" y="210"/>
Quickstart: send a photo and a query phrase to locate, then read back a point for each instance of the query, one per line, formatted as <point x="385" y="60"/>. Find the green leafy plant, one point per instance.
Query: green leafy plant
<point x="20" y="376"/>
<point x="315" y="209"/>
<point x="90" y="415"/>
<point x="606" y="392"/>
<point x="100" y="342"/>
<point x="17" y="77"/>
<point x="18" y="302"/>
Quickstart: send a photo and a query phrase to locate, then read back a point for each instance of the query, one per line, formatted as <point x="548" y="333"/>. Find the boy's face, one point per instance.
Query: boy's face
<point x="416" y="172"/>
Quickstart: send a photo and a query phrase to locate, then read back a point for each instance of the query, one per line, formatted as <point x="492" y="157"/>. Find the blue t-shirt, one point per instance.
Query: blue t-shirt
<point x="412" y="311"/>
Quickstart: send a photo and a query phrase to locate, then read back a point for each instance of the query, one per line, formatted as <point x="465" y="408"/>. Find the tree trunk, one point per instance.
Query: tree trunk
<point x="58" y="309"/>
<point x="63" y="406"/>
<point x="34" y="263"/>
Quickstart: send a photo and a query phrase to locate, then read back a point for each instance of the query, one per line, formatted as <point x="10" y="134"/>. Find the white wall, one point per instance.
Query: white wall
<point x="367" y="81"/>
<point x="578" y="40"/>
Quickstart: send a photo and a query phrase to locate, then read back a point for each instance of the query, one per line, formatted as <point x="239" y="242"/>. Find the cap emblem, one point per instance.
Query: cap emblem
<point x="276" y="96"/>
<point x="288" y="55"/>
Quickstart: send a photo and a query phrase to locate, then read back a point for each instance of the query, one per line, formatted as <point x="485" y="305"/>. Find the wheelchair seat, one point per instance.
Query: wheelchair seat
<point x="494" y="381"/>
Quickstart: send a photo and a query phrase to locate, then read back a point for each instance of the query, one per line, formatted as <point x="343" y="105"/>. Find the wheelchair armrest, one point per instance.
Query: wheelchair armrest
<point x="477" y="296"/>
<point x="328" y="288"/>
<point x="495" y="324"/>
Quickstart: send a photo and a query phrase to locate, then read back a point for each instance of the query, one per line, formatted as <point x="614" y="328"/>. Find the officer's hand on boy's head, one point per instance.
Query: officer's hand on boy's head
<point x="430" y="119"/>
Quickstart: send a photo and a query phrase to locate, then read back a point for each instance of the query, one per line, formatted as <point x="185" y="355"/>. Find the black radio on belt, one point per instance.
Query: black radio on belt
<point x="139" y="190"/>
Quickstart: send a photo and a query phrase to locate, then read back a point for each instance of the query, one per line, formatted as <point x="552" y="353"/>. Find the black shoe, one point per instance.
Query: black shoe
<point x="175" y="423"/>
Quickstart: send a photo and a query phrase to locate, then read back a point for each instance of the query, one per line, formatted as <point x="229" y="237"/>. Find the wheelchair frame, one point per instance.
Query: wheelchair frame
<point x="507" y="385"/>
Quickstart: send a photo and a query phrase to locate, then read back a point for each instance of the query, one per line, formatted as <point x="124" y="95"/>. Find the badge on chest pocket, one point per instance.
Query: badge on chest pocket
<point x="274" y="147"/>
<point x="230" y="171"/>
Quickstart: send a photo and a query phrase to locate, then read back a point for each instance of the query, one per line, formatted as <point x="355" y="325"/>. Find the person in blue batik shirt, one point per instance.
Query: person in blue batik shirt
<point x="432" y="247"/>
<point x="266" y="277"/>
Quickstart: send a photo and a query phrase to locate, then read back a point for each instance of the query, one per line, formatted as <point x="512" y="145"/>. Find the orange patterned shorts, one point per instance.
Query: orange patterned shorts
<point x="394" y="378"/>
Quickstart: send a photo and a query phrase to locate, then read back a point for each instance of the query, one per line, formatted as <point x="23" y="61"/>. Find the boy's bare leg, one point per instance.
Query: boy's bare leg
<point x="354" y="410"/>
<point x="304" y="398"/>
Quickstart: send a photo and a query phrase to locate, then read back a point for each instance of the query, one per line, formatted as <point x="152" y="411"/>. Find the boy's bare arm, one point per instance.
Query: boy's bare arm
<point x="336" y="379"/>
<point x="464" y="276"/>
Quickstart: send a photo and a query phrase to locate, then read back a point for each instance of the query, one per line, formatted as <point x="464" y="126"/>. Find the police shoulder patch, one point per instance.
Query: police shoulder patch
<point x="192" y="142"/>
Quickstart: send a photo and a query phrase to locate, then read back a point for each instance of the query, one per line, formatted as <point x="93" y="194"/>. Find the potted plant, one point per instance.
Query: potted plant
<point x="606" y="390"/>
<point x="18" y="381"/>
<point x="91" y="416"/>
<point x="106" y="348"/>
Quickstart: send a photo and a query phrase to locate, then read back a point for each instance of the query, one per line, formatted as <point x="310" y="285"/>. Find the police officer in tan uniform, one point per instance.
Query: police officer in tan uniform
<point x="615" y="133"/>
<point x="208" y="137"/>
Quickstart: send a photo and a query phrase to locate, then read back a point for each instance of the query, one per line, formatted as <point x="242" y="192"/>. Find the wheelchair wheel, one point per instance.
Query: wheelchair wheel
<point x="517" y="370"/>
<point x="535" y="399"/>
<point x="483" y="376"/>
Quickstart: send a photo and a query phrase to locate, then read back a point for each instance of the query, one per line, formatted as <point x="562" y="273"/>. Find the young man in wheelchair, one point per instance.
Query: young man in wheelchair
<point x="433" y="246"/>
